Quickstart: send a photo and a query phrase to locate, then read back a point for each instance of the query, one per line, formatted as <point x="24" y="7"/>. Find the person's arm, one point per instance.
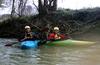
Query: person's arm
<point x="31" y="35"/>
<point x="51" y="37"/>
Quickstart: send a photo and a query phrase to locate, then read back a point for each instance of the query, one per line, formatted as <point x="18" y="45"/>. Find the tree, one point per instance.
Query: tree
<point x="13" y="8"/>
<point x="44" y="7"/>
<point x="47" y="6"/>
<point x="0" y="2"/>
<point x="21" y="7"/>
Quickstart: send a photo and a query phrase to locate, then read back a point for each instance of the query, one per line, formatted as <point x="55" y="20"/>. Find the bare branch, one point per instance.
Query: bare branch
<point x="35" y="5"/>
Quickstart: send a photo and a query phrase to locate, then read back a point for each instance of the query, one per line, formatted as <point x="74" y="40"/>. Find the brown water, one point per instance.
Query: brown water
<point x="76" y="55"/>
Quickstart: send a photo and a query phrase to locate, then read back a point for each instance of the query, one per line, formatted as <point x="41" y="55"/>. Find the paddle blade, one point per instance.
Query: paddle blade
<point x="8" y="44"/>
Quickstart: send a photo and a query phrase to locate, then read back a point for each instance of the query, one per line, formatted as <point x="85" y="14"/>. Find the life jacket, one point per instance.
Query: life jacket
<point x="28" y="34"/>
<point x="55" y="36"/>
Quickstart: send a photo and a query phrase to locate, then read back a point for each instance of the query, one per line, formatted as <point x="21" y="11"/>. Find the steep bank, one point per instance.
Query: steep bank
<point x="69" y="21"/>
<point x="92" y="34"/>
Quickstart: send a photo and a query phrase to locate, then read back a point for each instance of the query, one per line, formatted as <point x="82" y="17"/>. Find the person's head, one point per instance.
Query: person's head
<point x="28" y="28"/>
<point x="56" y="29"/>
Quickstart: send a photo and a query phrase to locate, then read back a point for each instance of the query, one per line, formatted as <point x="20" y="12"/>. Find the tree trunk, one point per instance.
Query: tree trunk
<point x="54" y="5"/>
<point x="47" y="6"/>
<point x="13" y="9"/>
<point x="21" y="7"/>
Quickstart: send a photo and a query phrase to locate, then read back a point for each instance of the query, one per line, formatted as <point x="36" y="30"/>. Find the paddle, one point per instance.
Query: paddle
<point x="10" y="44"/>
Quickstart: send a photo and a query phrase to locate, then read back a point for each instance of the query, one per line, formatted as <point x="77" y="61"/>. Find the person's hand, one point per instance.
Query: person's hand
<point x="57" y="37"/>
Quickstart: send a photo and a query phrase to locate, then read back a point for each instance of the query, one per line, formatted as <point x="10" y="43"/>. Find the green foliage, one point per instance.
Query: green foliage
<point x="12" y="27"/>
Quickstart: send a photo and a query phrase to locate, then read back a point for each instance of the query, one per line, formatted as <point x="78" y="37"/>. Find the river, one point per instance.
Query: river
<point x="76" y="55"/>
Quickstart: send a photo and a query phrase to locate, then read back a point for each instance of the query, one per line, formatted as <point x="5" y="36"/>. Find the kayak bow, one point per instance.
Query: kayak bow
<point x="29" y="44"/>
<point x="69" y="42"/>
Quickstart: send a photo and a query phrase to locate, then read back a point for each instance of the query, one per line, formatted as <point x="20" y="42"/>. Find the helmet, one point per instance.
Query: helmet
<point x="27" y="27"/>
<point x="56" y="28"/>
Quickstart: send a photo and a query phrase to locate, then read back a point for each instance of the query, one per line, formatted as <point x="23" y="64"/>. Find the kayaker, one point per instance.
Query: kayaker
<point x="56" y="35"/>
<point x="29" y="34"/>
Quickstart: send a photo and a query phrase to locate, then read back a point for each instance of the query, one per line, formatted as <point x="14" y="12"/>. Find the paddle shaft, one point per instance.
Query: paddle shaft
<point x="10" y="44"/>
